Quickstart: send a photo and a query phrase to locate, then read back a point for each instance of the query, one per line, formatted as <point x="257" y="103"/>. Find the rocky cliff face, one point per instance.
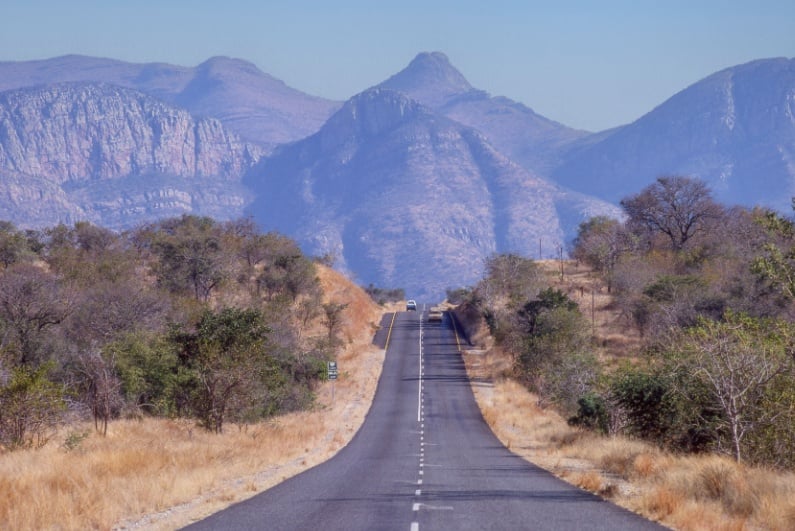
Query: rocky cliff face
<point x="63" y="139"/>
<point x="256" y="106"/>
<point x="70" y="133"/>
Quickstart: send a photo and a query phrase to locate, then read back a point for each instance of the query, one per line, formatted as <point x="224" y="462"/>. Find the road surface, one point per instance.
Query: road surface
<point x="424" y="459"/>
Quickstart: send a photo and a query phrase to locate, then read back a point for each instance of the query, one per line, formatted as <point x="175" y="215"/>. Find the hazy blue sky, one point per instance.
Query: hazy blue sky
<point x="591" y="65"/>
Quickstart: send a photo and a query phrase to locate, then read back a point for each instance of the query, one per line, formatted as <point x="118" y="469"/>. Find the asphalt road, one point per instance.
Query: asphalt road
<point x="424" y="459"/>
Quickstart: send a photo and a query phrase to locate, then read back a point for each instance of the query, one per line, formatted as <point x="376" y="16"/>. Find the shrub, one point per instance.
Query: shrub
<point x="30" y="407"/>
<point x="592" y="413"/>
<point x="647" y="400"/>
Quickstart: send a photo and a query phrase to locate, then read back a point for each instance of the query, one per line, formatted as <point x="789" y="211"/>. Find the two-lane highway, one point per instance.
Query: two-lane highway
<point x="424" y="459"/>
<point x="471" y="481"/>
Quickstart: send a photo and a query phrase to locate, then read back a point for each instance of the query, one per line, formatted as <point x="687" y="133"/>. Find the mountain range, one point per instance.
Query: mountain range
<point x="411" y="183"/>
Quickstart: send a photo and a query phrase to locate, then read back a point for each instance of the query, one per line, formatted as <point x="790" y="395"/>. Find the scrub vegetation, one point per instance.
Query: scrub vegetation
<point x="180" y="363"/>
<point x="152" y="377"/>
<point x="667" y="348"/>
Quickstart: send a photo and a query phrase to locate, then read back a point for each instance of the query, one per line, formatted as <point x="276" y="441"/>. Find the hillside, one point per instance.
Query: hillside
<point x="735" y="130"/>
<point x="388" y="184"/>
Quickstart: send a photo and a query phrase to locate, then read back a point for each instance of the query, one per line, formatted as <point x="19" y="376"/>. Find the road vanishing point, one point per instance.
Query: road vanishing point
<point x="424" y="459"/>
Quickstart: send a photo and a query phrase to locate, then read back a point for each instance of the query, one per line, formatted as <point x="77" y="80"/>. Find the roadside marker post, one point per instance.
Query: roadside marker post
<point x="331" y="367"/>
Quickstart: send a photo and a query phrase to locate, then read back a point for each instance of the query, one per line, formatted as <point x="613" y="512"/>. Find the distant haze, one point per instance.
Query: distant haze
<point x="588" y="65"/>
<point x="422" y="165"/>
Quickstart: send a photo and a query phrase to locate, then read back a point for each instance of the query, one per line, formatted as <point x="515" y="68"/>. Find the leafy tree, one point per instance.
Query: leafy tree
<point x="548" y="299"/>
<point x="773" y="442"/>
<point x="256" y="248"/>
<point x="148" y="368"/>
<point x="665" y="404"/>
<point x="231" y="365"/>
<point x="13" y="244"/>
<point x="510" y="279"/>
<point x="555" y="340"/>
<point x="509" y="282"/>
<point x="678" y="207"/>
<point x="87" y="254"/>
<point x="739" y="360"/>
<point x="649" y="402"/>
<point x="192" y="258"/>
<point x="592" y="413"/>
<point x="30" y="406"/>
<point x="93" y="238"/>
<point x="776" y="261"/>
<point x="288" y="273"/>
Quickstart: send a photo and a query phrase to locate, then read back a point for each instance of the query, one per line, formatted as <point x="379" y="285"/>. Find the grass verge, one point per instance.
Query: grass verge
<point x="682" y="492"/>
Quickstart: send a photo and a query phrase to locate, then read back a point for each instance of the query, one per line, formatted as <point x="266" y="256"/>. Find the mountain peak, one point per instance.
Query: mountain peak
<point x="221" y="62"/>
<point x="434" y="60"/>
<point x="370" y="113"/>
<point x="430" y="78"/>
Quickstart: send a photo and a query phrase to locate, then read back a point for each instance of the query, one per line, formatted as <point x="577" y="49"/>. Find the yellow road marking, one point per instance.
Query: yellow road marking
<point x="389" y="334"/>
<point x="455" y="330"/>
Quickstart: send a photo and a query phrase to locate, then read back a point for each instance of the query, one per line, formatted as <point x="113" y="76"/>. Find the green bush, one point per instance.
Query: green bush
<point x="30" y="407"/>
<point x="147" y="367"/>
<point x="670" y="408"/>
<point x="592" y="413"/>
<point x="648" y="403"/>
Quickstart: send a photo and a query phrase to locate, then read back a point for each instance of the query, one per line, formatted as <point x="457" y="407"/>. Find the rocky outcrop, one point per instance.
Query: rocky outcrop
<point x="70" y="133"/>
<point x="256" y="106"/>
<point x="64" y="139"/>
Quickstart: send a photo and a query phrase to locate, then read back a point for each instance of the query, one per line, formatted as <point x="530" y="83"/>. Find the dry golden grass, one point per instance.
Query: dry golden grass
<point x="163" y="474"/>
<point x="704" y="492"/>
<point x="682" y="492"/>
<point x="612" y="329"/>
